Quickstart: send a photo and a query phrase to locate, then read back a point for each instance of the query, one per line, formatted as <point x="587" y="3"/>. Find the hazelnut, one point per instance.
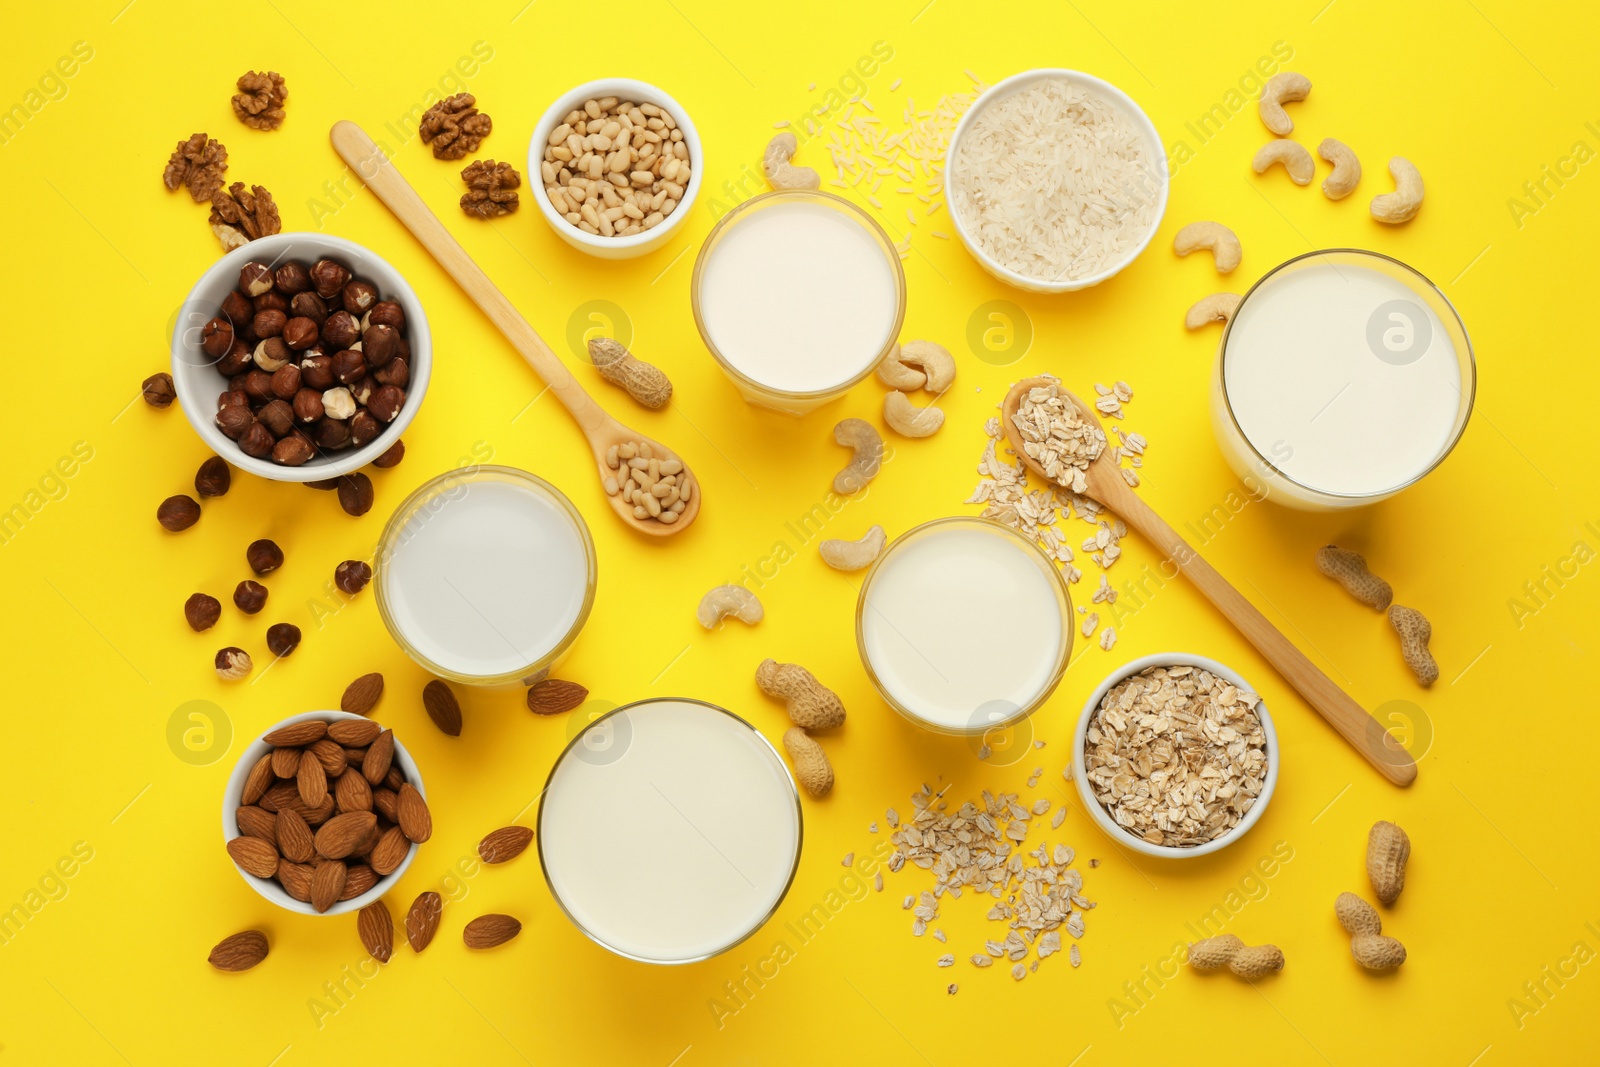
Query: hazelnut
<point x="338" y="403"/>
<point x="269" y="323"/>
<point x="308" y="405"/>
<point x="310" y="306"/>
<point x="236" y="307"/>
<point x="255" y="279"/>
<point x="355" y="494"/>
<point x="250" y="597"/>
<point x="234" y="420"/>
<point x="391" y="456"/>
<point x="216" y="337"/>
<point x="386" y="313"/>
<point x="405" y="349"/>
<point x="273" y="301"/>
<point x="271" y="354"/>
<point x="316" y="372"/>
<point x="386" y="403"/>
<point x="396" y="372"/>
<point x="352" y="576"/>
<point x="264" y="556"/>
<point x="301" y="332"/>
<point x="158" y="390"/>
<point x="178" y="512"/>
<point x="330" y="433"/>
<point x="283" y="638"/>
<point x="324" y="484"/>
<point x="239" y="358"/>
<point x="363" y="428"/>
<point x="292" y="278"/>
<point x="286" y="381"/>
<point x="258" y="385"/>
<point x="339" y="330"/>
<point x="256" y="441"/>
<point x="379" y="344"/>
<point x="359" y="296"/>
<point x="202" y="611"/>
<point x="362" y="389"/>
<point x="293" y="450"/>
<point x="328" y="277"/>
<point x="349" y="365"/>
<point x="213" y="478"/>
<point x="277" y="416"/>
<point x="232" y="664"/>
<point x="233" y="398"/>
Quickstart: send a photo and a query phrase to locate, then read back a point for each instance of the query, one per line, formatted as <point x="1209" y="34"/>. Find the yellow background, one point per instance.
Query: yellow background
<point x="111" y="966"/>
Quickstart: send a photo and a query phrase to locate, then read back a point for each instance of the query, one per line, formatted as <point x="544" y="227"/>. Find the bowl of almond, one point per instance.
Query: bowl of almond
<point x="324" y="812"/>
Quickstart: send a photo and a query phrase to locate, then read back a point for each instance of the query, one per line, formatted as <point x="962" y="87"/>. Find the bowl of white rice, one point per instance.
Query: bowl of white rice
<point x="1056" y="180"/>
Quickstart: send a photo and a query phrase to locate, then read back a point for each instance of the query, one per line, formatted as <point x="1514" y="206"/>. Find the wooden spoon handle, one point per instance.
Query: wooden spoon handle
<point x="381" y="176"/>
<point x="1352" y="721"/>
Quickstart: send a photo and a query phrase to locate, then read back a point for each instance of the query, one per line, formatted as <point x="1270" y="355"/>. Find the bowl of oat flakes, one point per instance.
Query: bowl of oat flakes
<point x="1175" y="755"/>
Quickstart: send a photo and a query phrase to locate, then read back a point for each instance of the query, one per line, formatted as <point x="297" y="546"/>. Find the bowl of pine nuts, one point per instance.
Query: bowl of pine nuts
<point x="617" y="164"/>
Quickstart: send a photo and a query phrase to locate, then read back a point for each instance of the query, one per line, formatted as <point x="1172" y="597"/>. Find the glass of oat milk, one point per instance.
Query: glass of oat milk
<point x="669" y="830"/>
<point x="962" y="625"/>
<point x="1343" y="377"/>
<point x="798" y="294"/>
<point x="486" y="575"/>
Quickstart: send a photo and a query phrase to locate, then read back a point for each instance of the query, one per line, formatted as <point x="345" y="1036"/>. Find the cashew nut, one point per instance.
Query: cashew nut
<point x="1218" y="307"/>
<point x="1295" y="159"/>
<point x="1216" y="237"/>
<point x="727" y="600"/>
<point x="1281" y="88"/>
<point x="781" y="174"/>
<point x="897" y="375"/>
<point x="1346" y="169"/>
<point x="938" y="367"/>
<point x="853" y="555"/>
<point x="1402" y="204"/>
<point x="859" y="435"/>
<point x="908" y="420"/>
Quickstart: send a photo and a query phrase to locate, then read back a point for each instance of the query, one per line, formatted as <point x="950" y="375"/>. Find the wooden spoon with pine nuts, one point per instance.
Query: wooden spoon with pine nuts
<point x="1107" y="485"/>
<point x="608" y="438"/>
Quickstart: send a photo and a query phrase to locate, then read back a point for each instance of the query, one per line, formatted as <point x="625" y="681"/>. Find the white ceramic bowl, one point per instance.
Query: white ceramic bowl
<point x="614" y="247"/>
<point x="198" y="382"/>
<point x="1097" y="811"/>
<point x="1159" y="176"/>
<point x="269" y="888"/>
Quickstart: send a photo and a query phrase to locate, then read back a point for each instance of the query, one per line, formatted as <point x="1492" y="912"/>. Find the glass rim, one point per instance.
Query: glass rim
<point x="874" y="228"/>
<point x="1063" y="657"/>
<point x="408" y="507"/>
<point x="1468" y="361"/>
<point x="794" y="866"/>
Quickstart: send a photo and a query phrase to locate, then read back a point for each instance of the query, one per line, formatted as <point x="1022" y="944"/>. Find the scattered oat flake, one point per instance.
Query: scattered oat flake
<point x="951" y="989"/>
<point x="872" y="828"/>
<point x="938" y="935"/>
<point x="1108" y="637"/>
<point x="980" y="960"/>
<point x="1038" y="744"/>
<point x="1019" y="972"/>
<point x="906" y="904"/>
<point x="1060" y="817"/>
<point x="877" y="881"/>
<point x="849" y="859"/>
<point x="946" y="961"/>
<point x="1073" y="955"/>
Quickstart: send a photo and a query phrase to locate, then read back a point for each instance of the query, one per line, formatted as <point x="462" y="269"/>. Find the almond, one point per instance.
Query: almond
<point x="412" y="814"/>
<point x="390" y="851"/>
<point x="239" y="952"/>
<point x="422" y="921"/>
<point x="315" y="816"/>
<point x="356" y="733"/>
<point x="354" y="756"/>
<point x="352" y="793"/>
<point x="386" y="802"/>
<point x="358" y="879"/>
<point x="554" y="696"/>
<point x="285" y="762"/>
<point x="294" y="837"/>
<point x="487" y="931"/>
<point x="375" y="767"/>
<point x="375" y="926"/>
<point x="257" y="822"/>
<point x="296" y="879"/>
<point x="394" y="779"/>
<point x="360" y="697"/>
<point x="255" y="856"/>
<point x="296" y="734"/>
<point x="442" y="707"/>
<point x="280" y="794"/>
<point x="259" y="780"/>
<point x="312" y="781"/>
<point x="506" y="843"/>
<point x="341" y="834"/>
<point x="330" y="755"/>
<point x="327" y="882"/>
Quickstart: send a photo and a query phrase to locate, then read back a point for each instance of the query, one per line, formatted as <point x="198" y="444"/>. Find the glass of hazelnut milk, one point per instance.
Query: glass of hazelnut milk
<point x="669" y="830"/>
<point x="962" y="625"/>
<point x="485" y="576"/>
<point x="798" y="295"/>
<point x="1343" y="377"/>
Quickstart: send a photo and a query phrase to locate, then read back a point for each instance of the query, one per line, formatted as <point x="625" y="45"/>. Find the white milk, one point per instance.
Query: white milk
<point x="962" y="626"/>
<point x="1313" y="396"/>
<point x="486" y="578"/>
<point x="798" y="296"/>
<point x="669" y="831"/>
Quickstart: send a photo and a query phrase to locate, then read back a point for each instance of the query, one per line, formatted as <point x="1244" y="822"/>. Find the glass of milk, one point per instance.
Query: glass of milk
<point x="669" y="830"/>
<point x="1343" y="377"/>
<point x="962" y="625"/>
<point x="485" y="576"/>
<point x="798" y="295"/>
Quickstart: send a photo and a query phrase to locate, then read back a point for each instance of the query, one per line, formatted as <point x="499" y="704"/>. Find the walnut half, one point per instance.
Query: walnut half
<point x="198" y="163"/>
<point x="259" y="102"/>
<point x="455" y="127"/>
<point x="491" y="189"/>
<point x="239" y="217"/>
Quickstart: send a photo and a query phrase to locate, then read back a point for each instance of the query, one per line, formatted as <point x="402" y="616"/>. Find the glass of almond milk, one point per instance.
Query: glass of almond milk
<point x="669" y="830"/>
<point x="1343" y="377"/>
<point x="486" y="575"/>
<point x="962" y="625"/>
<point x="798" y="294"/>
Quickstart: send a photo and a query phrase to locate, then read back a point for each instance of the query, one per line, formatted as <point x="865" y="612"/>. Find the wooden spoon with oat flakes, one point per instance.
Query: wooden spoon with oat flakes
<point x="1107" y="485"/>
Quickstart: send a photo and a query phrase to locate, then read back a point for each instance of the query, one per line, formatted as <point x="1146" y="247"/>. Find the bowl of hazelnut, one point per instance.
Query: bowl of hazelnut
<point x="301" y="356"/>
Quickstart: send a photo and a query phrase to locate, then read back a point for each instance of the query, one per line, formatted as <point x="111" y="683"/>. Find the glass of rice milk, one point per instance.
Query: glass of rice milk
<point x="798" y="295"/>
<point x="1343" y="377"/>
<point x="962" y="625"/>
<point x="485" y="576"/>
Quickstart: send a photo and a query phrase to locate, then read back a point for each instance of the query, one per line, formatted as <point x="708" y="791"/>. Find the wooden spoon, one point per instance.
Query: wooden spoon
<point x="603" y="431"/>
<point x="1107" y="485"/>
